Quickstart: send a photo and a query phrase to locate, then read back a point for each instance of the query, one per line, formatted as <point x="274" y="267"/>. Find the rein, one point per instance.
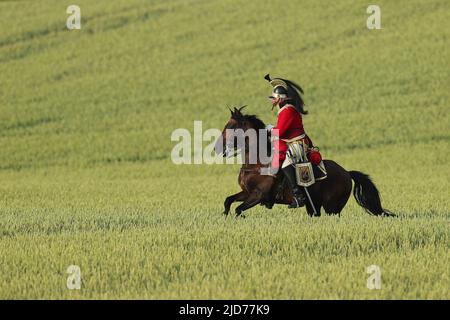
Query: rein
<point x="250" y="169"/>
<point x="253" y="169"/>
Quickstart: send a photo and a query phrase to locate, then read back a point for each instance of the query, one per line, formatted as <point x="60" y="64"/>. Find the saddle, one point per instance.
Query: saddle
<point x="318" y="171"/>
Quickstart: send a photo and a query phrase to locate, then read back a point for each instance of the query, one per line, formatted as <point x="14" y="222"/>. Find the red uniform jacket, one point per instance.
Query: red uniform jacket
<point x="289" y="126"/>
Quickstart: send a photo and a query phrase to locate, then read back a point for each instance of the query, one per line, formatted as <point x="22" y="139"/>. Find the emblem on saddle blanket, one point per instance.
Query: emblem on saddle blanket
<point x="305" y="174"/>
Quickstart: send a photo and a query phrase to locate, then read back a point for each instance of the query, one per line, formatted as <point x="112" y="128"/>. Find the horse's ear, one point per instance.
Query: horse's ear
<point x="231" y="111"/>
<point x="242" y="108"/>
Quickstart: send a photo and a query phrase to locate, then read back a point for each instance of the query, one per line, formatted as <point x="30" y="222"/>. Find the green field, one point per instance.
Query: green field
<point x="86" y="176"/>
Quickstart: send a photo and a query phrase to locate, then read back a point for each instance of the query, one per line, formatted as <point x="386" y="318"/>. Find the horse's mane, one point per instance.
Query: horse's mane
<point x="257" y="124"/>
<point x="253" y="119"/>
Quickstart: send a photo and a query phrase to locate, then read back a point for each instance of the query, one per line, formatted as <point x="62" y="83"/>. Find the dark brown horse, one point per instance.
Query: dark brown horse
<point x="331" y="193"/>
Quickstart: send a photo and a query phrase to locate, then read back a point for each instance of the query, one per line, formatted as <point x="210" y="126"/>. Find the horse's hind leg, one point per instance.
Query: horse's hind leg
<point x="240" y="196"/>
<point x="335" y="206"/>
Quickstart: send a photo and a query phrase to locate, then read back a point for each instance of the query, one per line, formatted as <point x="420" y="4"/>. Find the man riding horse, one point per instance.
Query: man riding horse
<point x="293" y="144"/>
<point x="329" y="189"/>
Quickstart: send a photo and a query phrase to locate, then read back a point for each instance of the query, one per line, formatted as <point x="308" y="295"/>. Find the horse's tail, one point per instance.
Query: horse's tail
<point x="367" y="196"/>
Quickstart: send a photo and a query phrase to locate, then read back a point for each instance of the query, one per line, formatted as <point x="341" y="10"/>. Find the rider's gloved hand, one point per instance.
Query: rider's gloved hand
<point x="269" y="171"/>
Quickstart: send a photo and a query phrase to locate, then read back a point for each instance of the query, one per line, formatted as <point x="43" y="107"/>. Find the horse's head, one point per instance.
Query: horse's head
<point x="234" y="134"/>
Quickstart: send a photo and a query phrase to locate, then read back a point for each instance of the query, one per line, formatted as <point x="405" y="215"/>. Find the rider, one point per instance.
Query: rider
<point x="286" y="95"/>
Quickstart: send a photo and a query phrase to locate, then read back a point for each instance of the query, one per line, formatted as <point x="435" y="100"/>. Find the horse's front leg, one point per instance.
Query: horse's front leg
<point x="240" y="196"/>
<point x="250" y="202"/>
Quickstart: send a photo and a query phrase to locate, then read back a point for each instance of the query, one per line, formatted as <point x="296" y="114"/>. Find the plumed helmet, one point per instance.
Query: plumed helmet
<point x="279" y="92"/>
<point x="288" y="90"/>
<point x="280" y="89"/>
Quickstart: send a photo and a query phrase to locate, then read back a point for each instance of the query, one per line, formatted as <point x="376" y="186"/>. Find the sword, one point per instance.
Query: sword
<point x="306" y="190"/>
<point x="310" y="201"/>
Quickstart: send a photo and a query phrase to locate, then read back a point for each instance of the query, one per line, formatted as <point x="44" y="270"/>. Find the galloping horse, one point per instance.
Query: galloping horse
<point x="331" y="193"/>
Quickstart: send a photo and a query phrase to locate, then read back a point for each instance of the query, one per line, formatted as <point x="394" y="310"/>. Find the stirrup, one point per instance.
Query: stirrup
<point x="297" y="202"/>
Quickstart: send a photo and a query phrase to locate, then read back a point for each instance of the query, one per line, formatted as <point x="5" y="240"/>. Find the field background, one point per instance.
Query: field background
<point x="86" y="176"/>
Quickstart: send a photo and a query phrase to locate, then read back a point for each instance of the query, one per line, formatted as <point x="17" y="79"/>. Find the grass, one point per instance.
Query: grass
<point x="85" y="170"/>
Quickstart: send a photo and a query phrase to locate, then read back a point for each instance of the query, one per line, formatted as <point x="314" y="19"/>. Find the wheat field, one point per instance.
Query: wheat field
<point x="86" y="118"/>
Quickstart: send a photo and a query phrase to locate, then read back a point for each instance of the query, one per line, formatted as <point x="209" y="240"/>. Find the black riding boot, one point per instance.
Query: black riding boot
<point x="298" y="197"/>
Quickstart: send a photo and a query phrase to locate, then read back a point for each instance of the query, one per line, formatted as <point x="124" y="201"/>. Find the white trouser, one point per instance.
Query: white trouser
<point x="296" y="153"/>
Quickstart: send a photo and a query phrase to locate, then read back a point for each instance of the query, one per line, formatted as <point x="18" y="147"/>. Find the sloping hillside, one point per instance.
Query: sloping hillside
<point x="86" y="118"/>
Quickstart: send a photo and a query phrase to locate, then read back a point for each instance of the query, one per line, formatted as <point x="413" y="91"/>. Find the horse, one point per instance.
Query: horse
<point x="331" y="193"/>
